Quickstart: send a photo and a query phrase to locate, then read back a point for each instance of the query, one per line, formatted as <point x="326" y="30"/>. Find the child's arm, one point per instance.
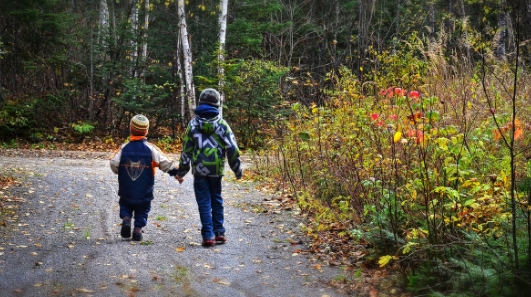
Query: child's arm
<point x="115" y="161"/>
<point x="233" y="154"/>
<point x="162" y="161"/>
<point x="185" y="162"/>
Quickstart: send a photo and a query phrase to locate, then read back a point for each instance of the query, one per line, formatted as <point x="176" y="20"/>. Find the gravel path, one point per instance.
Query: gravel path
<point x="65" y="238"/>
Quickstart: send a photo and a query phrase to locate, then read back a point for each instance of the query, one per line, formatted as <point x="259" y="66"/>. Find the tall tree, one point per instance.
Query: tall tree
<point x="221" y="55"/>
<point x="144" y="52"/>
<point x="133" y="20"/>
<point x="500" y="38"/>
<point x="187" y="57"/>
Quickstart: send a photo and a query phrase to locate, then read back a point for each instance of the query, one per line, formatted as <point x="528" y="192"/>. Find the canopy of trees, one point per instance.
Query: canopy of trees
<point x="91" y="64"/>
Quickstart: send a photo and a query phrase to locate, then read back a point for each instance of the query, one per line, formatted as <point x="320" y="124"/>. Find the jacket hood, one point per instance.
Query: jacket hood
<point x="207" y="118"/>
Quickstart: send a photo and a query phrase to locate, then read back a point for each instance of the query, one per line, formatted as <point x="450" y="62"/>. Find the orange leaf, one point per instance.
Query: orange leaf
<point x="518" y="133"/>
<point x="497" y="134"/>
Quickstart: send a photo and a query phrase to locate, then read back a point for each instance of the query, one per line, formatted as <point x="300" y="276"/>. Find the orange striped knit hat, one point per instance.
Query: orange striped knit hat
<point x="139" y="125"/>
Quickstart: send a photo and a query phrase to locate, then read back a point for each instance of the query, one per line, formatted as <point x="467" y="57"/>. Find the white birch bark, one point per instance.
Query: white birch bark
<point x="500" y="39"/>
<point x="182" y="89"/>
<point x="103" y="22"/>
<point x="102" y="35"/>
<point x="221" y="55"/>
<point x="187" y="56"/>
<point x="143" y="54"/>
<point x="133" y="56"/>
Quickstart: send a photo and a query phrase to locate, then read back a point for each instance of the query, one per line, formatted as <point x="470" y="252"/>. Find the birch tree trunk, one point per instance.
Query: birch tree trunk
<point x="143" y="54"/>
<point x="182" y="90"/>
<point x="133" y="56"/>
<point x="103" y="22"/>
<point x="500" y="38"/>
<point x="221" y="55"/>
<point x="102" y="36"/>
<point x="187" y="56"/>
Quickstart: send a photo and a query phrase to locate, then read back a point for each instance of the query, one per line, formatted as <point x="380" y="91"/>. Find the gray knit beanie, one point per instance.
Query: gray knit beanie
<point x="209" y="96"/>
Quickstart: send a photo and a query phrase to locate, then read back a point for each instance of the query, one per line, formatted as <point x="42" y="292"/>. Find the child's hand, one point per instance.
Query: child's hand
<point x="180" y="179"/>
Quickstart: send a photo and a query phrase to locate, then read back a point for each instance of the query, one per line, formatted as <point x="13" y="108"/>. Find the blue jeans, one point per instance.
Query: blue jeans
<point x="210" y="204"/>
<point x="140" y="211"/>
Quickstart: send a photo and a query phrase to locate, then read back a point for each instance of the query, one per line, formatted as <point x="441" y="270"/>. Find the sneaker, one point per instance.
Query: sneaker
<point x="137" y="234"/>
<point x="220" y="238"/>
<point x="208" y="242"/>
<point x="126" y="228"/>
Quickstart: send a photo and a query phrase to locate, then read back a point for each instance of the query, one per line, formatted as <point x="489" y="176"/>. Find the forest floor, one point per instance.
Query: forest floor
<point x="59" y="236"/>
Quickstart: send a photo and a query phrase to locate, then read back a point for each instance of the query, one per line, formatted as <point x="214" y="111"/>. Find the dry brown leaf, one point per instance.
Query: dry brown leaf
<point x="84" y="290"/>
<point x="221" y="281"/>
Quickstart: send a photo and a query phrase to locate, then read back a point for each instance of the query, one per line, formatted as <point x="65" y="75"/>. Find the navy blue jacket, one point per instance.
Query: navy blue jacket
<point x="136" y="164"/>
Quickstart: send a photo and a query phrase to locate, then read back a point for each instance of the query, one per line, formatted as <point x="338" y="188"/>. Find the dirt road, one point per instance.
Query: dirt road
<point x="64" y="240"/>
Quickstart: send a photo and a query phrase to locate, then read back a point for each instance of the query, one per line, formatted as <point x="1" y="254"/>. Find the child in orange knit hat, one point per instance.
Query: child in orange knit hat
<point x="136" y="164"/>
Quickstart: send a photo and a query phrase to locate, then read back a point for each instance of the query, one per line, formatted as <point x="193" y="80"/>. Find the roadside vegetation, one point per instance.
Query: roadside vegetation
<point x="404" y="144"/>
<point x="427" y="168"/>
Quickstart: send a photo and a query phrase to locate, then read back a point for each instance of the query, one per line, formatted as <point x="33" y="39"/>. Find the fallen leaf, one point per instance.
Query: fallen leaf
<point x="83" y="290"/>
<point x="221" y="281"/>
<point x="373" y="293"/>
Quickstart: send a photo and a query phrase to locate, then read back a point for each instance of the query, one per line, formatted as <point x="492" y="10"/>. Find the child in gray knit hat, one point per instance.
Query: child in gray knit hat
<point x="208" y="142"/>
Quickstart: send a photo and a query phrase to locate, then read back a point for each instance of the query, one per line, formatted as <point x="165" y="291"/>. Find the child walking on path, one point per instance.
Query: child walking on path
<point x="207" y="143"/>
<point x="136" y="164"/>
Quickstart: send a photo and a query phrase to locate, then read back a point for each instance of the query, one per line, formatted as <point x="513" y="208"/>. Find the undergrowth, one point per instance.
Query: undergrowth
<point x="419" y="172"/>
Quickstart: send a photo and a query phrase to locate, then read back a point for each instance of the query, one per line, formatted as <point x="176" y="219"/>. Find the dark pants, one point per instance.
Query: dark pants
<point x="140" y="211"/>
<point x="208" y="196"/>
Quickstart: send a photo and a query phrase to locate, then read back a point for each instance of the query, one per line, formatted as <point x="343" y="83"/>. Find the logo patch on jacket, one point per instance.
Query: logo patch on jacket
<point x="135" y="169"/>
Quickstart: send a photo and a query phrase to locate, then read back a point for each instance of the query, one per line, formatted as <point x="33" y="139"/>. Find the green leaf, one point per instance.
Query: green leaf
<point x="304" y="136"/>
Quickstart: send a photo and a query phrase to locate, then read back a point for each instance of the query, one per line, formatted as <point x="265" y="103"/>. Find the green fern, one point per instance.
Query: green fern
<point x="82" y="128"/>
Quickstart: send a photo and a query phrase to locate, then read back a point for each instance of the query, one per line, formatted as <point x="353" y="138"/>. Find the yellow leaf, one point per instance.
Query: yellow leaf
<point x="397" y="137"/>
<point x="384" y="260"/>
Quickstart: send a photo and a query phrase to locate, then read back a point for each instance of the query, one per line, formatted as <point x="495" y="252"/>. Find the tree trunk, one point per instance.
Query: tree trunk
<point x="103" y="22"/>
<point x="91" y="78"/>
<point x="500" y="39"/>
<point x="449" y="25"/>
<point x="134" y="46"/>
<point x="221" y="55"/>
<point x="143" y="54"/>
<point x="182" y="89"/>
<point x="1" y="94"/>
<point x="187" y="56"/>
